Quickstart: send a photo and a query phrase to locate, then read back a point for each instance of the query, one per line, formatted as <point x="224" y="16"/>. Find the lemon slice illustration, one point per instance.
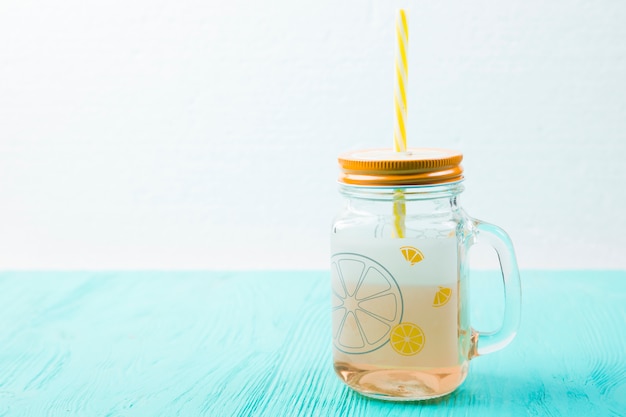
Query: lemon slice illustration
<point x="407" y="339"/>
<point x="442" y="296"/>
<point x="367" y="303"/>
<point x="411" y="254"/>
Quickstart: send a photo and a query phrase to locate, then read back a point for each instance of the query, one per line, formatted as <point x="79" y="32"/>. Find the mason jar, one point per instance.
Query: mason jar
<point x="399" y="274"/>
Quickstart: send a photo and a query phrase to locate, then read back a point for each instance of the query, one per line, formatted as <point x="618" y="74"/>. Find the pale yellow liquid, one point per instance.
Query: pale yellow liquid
<point x="376" y="290"/>
<point x="407" y="384"/>
<point x="437" y="369"/>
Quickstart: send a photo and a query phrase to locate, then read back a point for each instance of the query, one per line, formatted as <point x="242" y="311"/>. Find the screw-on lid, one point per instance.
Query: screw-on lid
<point x="416" y="166"/>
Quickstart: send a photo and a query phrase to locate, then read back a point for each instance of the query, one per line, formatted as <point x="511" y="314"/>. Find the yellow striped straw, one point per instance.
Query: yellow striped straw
<point x="399" y="213"/>
<point x="399" y="98"/>
<point x="402" y="78"/>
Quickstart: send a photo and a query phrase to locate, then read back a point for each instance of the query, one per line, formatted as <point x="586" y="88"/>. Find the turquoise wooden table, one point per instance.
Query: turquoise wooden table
<point x="258" y="343"/>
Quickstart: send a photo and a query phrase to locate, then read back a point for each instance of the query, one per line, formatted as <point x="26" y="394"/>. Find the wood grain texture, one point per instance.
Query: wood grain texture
<point x="257" y="343"/>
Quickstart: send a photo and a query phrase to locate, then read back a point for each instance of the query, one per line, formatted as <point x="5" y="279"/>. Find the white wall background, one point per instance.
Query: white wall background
<point x="203" y="134"/>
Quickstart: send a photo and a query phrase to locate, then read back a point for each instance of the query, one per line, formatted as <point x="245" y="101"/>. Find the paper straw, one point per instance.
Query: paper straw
<point x="399" y="98"/>
<point x="399" y="213"/>
<point x="402" y="77"/>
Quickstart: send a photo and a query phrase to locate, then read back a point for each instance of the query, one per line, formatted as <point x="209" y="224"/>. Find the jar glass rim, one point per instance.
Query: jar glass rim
<point x="410" y="192"/>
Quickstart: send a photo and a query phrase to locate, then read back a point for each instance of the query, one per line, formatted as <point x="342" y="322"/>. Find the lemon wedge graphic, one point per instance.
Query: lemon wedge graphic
<point x="411" y="254"/>
<point x="442" y="296"/>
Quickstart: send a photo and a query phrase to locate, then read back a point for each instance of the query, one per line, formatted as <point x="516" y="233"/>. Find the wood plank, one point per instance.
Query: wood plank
<point x="257" y="343"/>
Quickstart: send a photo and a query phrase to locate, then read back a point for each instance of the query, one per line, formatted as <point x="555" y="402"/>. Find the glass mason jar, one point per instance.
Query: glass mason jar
<point x="399" y="268"/>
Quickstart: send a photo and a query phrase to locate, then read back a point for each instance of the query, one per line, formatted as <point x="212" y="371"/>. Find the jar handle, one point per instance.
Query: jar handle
<point x="488" y="342"/>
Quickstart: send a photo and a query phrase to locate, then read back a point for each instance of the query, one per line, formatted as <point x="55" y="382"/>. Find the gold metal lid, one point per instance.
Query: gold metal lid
<point x="385" y="167"/>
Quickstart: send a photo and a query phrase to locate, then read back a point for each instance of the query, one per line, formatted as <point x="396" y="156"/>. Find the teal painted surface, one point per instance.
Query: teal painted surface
<point x="257" y="343"/>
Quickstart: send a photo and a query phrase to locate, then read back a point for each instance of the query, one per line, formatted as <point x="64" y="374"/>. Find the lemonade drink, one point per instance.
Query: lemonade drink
<point x="396" y="324"/>
<point x="399" y="273"/>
